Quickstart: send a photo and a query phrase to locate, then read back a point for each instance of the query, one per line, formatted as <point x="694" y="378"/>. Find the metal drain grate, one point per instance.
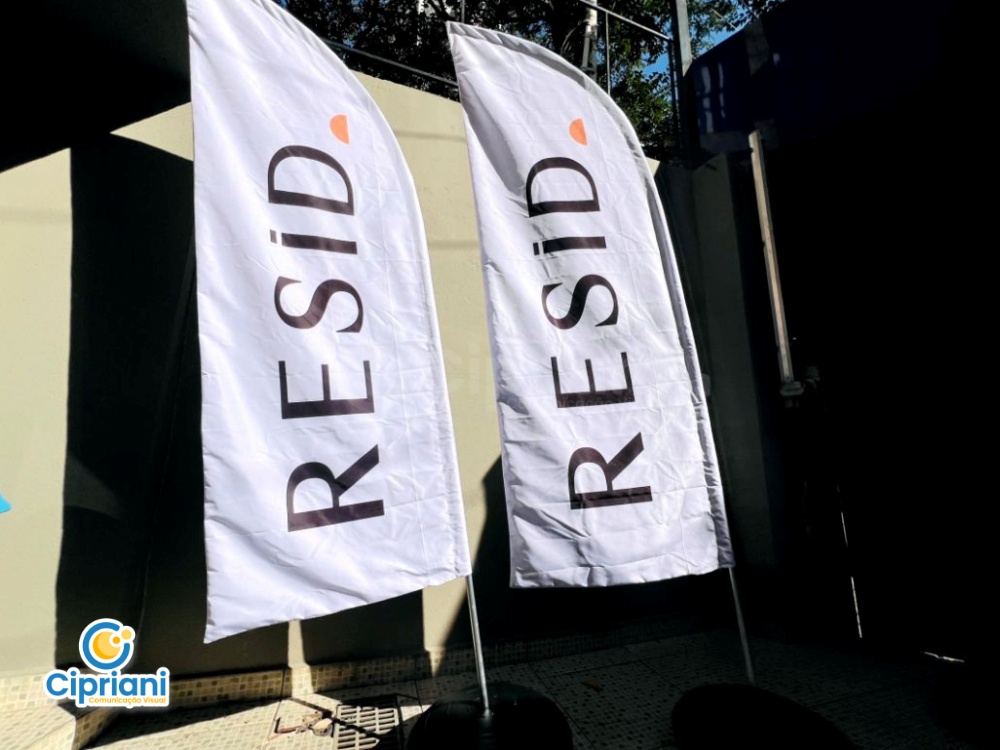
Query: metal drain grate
<point x="369" y="724"/>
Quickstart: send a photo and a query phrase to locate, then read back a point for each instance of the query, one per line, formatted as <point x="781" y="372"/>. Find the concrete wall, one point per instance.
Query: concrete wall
<point x="432" y="136"/>
<point x="125" y="421"/>
<point x="35" y="231"/>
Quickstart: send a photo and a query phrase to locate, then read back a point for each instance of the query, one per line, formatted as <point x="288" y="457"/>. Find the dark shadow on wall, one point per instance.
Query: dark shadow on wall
<point x="888" y="295"/>
<point x="673" y="607"/>
<point x="176" y="593"/>
<point x="69" y="84"/>
<point x="879" y="213"/>
<point x="130" y="239"/>
<point x="134" y="402"/>
<point x="133" y="539"/>
<point x="775" y="453"/>
<point x="390" y="628"/>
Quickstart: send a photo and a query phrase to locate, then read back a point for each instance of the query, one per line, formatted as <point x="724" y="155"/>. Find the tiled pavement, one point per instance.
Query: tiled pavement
<point x="615" y="699"/>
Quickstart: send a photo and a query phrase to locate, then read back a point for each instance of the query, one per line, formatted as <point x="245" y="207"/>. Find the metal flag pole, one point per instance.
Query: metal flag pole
<point x="744" y="641"/>
<point x="789" y="386"/>
<point x="607" y="52"/>
<point x="588" y="64"/>
<point x="516" y="717"/>
<point x="477" y="643"/>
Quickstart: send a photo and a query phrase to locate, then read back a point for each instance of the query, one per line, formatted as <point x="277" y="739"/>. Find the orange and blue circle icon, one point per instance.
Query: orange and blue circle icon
<point x="106" y="644"/>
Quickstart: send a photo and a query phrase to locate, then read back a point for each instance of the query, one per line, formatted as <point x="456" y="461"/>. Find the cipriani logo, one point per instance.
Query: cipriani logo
<point x="106" y="646"/>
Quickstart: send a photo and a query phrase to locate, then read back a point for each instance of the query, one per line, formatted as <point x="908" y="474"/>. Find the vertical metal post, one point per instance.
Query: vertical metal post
<point x="771" y="257"/>
<point x="463" y="11"/>
<point x="477" y="643"/>
<point x="685" y="122"/>
<point x="607" y="51"/>
<point x="589" y="44"/>
<point x="747" y="660"/>
<point x="675" y="91"/>
<point x="682" y="34"/>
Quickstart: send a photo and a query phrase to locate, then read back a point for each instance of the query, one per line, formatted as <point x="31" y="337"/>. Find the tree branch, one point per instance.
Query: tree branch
<point x="440" y="8"/>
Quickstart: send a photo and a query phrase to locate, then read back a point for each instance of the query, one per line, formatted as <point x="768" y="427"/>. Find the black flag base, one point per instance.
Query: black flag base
<point x="519" y="719"/>
<point x="718" y="716"/>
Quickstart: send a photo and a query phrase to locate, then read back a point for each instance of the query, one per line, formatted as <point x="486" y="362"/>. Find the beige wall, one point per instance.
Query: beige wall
<point x="35" y="238"/>
<point x="431" y="133"/>
<point x="34" y="351"/>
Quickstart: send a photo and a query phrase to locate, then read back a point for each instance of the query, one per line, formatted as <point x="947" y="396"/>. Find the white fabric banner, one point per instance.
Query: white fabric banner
<point x="609" y="465"/>
<point x="330" y="470"/>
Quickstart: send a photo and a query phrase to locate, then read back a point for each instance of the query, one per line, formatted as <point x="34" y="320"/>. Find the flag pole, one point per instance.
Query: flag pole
<point x="744" y="641"/>
<point x="523" y="717"/>
<point x="477" y="643"/>
<point x="790" y="387"/>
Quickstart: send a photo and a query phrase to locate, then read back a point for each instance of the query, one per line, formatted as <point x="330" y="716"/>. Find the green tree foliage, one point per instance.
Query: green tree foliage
<point x="412" y="32"/>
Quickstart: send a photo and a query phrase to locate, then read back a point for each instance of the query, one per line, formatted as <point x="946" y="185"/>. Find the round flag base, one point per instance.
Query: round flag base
<point x="519" y="719"/>
<point x="714" y="716"/>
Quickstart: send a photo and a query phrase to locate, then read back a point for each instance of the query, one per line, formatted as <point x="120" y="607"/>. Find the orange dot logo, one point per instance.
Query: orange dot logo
<point x="578" y="132"/>
<point x="338" y="126"/>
